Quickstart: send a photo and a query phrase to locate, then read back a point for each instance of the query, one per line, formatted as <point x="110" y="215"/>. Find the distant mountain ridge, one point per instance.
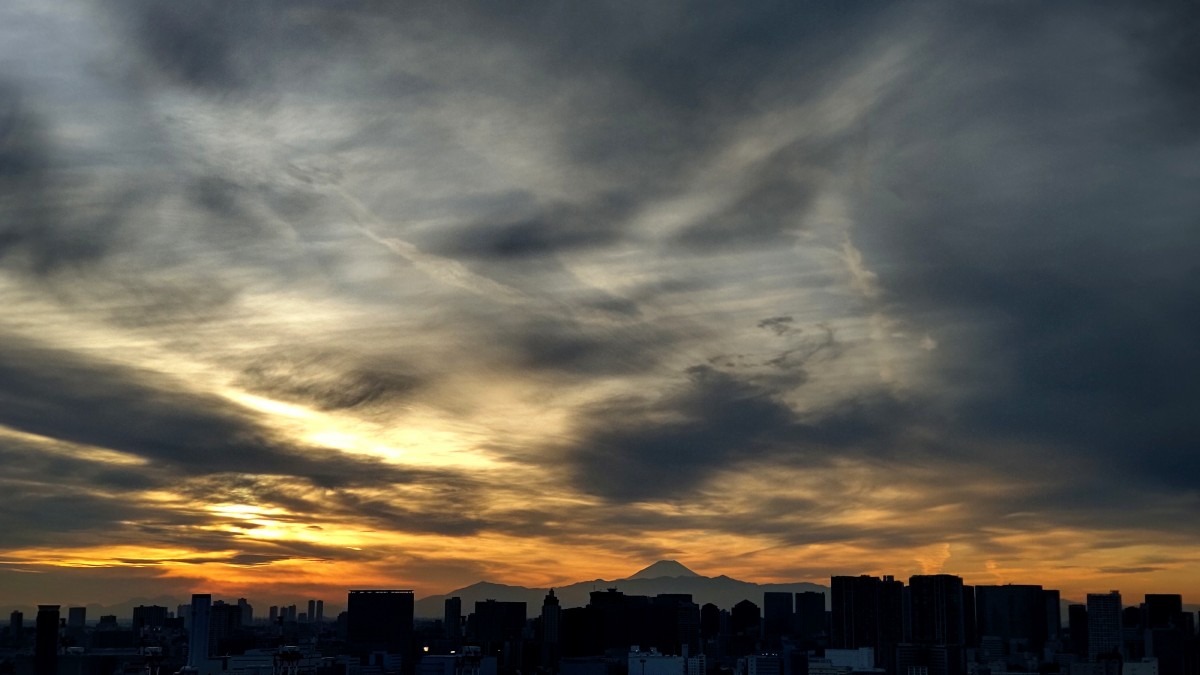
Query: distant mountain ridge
<point x="664" y="576"/>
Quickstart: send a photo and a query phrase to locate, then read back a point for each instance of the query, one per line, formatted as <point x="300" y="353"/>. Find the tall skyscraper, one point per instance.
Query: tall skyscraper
<point x="224" y="624"/>
<point x="16" y="627"/>
<point x="1168" y="635"/>
<point x="1053" y="604"/>
<point x="148" y="617"/>
<point x="312" y="610"/>
<point x="497" y="622"/>
<point x="1015" y="613"/>
<point x="45" y="650"/>
<point x="76" y="617"/>
<point x="247" y="612"/>
<point x="1104" y="624"/>
<point x="452" y="618"/>
<point x="1163" y="610"/>
<point x="198" y="633"/>
<point x="1077" y="626"/>
<point x="320" y="616"/>
<point x="710" y="621"/>
<point x="551" y="623"/>
<point x="674" y="623"/>
<point x="868" y="612"/>
<point x="184" y="612"/>
<point x="777" y="617"/>
<point x="810" y="615"/>
<point x="970" y="624"/>
<point x="937" y="609"/>
<point x="381" y="620"/>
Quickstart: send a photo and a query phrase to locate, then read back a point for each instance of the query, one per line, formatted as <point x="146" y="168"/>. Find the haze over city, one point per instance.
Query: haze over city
<point x="306" y="296"/>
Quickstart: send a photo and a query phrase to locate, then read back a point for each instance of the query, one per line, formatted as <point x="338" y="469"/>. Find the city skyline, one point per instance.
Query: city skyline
<point x="644" y="582"/>
<point x="305" y="296"/>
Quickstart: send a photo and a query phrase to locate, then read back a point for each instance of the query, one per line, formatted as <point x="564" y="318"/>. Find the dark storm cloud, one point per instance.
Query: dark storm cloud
<point x="330" y="381"/>
<point x="567" y="346"/>
<point x="61" y="230"/>
<point x="1166" y="48"/>
<point x="545" y="231"/>
<point x="59" y="395"/>
<point x="63" y="396"/>
<point x="38" y="231"/>
<point x="670" y="78"/>
<point x="33" y="463"/>
<point x="421" y="517"/>
<point x="1067" y="235"/>
<point x="636" y="449"/>
<point x="194" y="45"/>
<point x="41" y="516"/>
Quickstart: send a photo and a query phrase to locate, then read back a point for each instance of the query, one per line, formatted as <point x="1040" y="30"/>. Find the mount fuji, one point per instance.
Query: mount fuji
<point x="664" y="576"/>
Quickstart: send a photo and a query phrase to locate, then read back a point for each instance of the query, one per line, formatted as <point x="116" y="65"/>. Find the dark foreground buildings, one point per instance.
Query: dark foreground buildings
<point x="380" y="621"/>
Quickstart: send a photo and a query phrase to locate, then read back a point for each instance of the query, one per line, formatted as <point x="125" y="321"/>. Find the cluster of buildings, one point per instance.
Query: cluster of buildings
<point x="937" y="625"/>
<point x="933" y="625"/>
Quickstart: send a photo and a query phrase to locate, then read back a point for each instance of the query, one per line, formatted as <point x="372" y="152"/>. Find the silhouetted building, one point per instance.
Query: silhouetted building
<point x="578" y="633"/>
<point x="76" y="617"/>
<point x="498" y="622"/>
<point x="198" y="631"/>
<point x="970" y="623"/>
<point x="381" y="621"/>
<point x="745" y="622"/>
<point x="551" y="622"/>
<point x="1053" y="604"/>
<point x="614" y="619"/>
<point x="16" y="628"/>
<point x="224" y="625"/>
<point x="1133" y="636"/>
<point x="809" y="623"/>
<point x="1077" y="626"/>
<point x="246" y="611"/>
<point x="671" y="622"/>
<point x="148" y="617"/>
<point x="75" y="634"/>
<point x="777" y="617"/>
<point x="1168" y="635"/>
<point x="45" y="650"/>
<point x="1104" y="625"/>
<point x="319" y="617"/>
<point x="936" y="602"/>
<point x="1163" y="610"/>
<point x="1015" y="613"/>
<point x="498" y="627"/>
<point x="452" y="619"/>
<point x="710" y="621"/>
<point x="868" y="612"/>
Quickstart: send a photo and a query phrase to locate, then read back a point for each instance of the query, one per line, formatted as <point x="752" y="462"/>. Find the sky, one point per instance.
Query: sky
<point x="305" y="296"/>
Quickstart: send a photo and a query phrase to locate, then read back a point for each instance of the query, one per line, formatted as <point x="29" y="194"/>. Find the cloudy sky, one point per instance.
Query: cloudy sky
<point x="300" y="296"/>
